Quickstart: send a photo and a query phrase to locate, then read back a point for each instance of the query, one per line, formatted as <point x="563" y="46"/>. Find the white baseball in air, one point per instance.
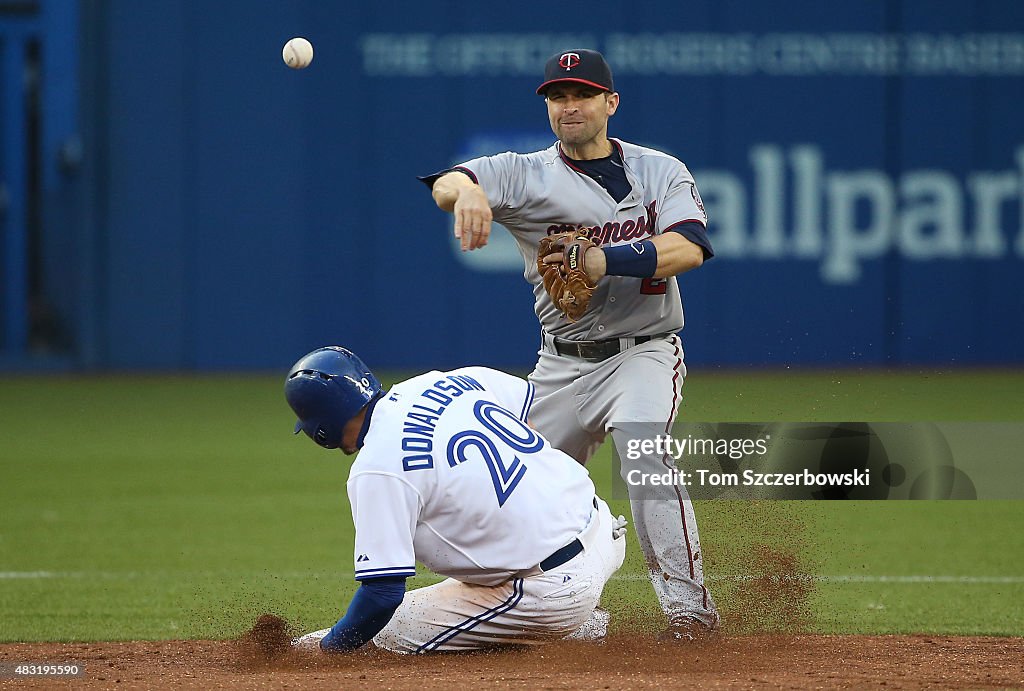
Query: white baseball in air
<point x="297" y="53"/>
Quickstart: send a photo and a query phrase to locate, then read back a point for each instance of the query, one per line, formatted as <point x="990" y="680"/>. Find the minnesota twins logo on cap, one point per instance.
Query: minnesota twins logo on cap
<point x="584" y="66"/>
<point x="569" y="60"/>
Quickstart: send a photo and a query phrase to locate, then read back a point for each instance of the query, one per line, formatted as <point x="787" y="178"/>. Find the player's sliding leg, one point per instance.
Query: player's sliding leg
<point x="531" y="610"/>
<point x="593" y="629"/>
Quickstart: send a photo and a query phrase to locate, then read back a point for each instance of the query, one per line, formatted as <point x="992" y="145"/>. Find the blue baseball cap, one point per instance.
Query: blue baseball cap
<point x="581" y="66"/>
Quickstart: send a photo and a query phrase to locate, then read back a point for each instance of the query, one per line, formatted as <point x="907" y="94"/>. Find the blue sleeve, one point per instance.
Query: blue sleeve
<point x="429" y="180"/>
<point x="695" y="233"/>
<point x="369" y="612"/>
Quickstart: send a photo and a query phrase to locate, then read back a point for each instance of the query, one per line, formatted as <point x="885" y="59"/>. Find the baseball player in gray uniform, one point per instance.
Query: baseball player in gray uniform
<point x="619" y="368"/>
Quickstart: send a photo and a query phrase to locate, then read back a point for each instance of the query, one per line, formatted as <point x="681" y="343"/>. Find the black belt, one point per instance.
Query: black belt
<point x="595" y="351"/>
<point x="560" y="556"/>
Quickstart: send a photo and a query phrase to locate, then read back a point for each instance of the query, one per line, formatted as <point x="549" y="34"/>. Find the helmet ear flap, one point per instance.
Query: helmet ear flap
<point x="327" y="388"/>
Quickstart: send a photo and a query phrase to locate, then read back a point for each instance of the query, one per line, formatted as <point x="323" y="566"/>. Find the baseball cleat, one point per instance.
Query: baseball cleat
<point x="593" y="629"/>
<point x="310" y="641"/>
<point x="689" y="629"/>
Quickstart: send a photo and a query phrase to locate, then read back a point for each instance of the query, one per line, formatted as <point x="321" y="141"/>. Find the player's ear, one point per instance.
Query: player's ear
<point x="612" y="102"/>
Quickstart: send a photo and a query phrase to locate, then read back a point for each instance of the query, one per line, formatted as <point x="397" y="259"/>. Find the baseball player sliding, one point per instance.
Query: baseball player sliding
<point x="449" y="474"/>
<point x="604" y="226"/>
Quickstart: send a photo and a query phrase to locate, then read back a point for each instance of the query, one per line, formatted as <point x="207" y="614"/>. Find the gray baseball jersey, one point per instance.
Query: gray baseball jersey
<point x="579" y="402"/>
<point x="541" y="193"/>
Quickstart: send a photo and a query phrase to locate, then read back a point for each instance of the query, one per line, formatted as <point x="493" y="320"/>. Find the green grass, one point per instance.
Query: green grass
<point x="181" y="507"/>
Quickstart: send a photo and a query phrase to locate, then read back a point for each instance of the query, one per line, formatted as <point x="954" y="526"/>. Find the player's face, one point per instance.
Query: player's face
<point x="579" y="114"/>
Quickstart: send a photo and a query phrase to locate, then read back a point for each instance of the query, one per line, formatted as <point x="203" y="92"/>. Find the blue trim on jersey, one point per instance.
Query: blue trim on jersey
<point x="429" y="180"/>
<point x="466" y="171"/>
<point x="694" y="231"/>
<point x="469" y="624"/>
<point x="388" y="571"/>
<point x="609" y="172"/>
<point x="366" y="420"/>
<point x="531" y="390"/>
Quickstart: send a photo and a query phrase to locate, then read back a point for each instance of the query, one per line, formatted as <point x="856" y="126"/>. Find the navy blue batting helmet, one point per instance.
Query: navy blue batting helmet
<point x="326" y="389"/>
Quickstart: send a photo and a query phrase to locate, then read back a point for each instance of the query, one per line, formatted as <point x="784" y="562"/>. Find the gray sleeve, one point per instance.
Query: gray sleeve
<point x="497" y="175"/>
<point x="682" y="202"/>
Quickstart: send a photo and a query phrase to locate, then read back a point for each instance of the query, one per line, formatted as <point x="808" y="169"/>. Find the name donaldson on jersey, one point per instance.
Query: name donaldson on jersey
<point x="421" y="420"/>
<point x="748" y="478"/>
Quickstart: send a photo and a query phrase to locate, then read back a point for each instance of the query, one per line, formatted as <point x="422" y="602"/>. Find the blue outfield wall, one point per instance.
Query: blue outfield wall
<point x="862" y="165"/>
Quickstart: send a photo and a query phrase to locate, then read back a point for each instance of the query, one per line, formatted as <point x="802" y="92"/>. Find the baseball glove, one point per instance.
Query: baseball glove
<point x="566" y="281"/>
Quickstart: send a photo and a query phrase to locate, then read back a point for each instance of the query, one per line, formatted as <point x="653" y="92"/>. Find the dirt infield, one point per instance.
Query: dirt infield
<point x="633" y="661"/>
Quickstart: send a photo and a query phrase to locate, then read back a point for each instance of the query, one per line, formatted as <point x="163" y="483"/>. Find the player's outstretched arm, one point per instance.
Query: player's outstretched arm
<point x="662" y="256"/>
<point x="676" y="255"/>
<point x="369" y="612"/>
<point x="456" y="193"/>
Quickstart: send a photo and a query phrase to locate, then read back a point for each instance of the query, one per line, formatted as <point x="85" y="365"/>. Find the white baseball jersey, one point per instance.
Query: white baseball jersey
<point x="451" y="475"/>
<point x="540" y="193"/>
